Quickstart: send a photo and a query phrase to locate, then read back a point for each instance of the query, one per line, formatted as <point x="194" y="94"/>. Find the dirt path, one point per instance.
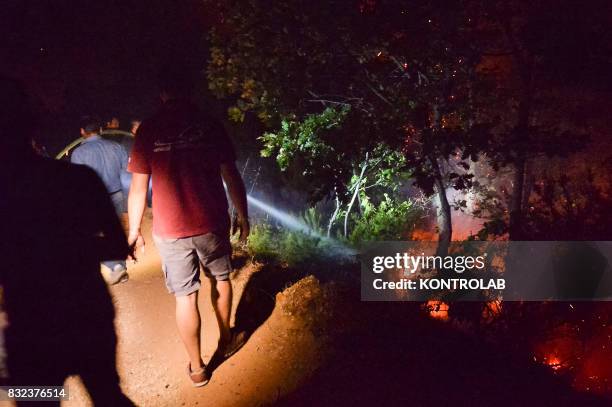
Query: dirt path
<point x="383" y="354"/>
<point x="151" y="359"/>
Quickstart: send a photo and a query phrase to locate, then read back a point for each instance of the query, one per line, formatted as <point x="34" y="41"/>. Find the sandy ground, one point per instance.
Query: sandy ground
<point x="152" y="362"/>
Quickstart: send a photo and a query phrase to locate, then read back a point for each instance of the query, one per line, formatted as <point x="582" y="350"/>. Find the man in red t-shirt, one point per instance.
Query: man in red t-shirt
<point x="188" y="155"/>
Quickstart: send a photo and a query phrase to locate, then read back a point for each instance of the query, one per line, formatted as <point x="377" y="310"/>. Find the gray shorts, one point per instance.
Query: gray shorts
<point x="181" y="259"/>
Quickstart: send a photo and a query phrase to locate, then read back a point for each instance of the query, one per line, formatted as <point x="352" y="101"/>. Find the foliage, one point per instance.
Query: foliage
<point x="537" y="55"/>
<point x="306" y="138"/>
<point x="564" y="203"/>
<point x="291" y="247"/>
<point x="314" y="150"/>
<point x="389" y="220"/>
<point x="438" y="82"/>
<point x="297" y="248"/>
<point x="262" y="244"/>
<point x="341" y="86"/>
<point x="313" y="219"/>
<point x="562" y="209"/>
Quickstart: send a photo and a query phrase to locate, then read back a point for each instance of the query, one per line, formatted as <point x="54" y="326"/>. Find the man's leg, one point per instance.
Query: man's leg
<point x="182" y="274"/>
<point x="230" y="341"/>
<point x="221" y="295"/>
<point x="188" y="322"/>
<point x="214" y="251"/>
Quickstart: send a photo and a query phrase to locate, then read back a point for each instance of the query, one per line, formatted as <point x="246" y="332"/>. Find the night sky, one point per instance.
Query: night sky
<point x="102" y="57"/>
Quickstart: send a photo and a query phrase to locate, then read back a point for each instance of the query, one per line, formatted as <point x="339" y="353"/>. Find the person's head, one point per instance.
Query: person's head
<point x="113" y="123"/>
<point x="175" y="81"/>
<point x="18" y="120"/>
<point x="134" y="125"/>
<point x="90" y="126"/>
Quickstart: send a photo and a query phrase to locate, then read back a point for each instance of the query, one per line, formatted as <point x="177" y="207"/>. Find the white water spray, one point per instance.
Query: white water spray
<point x="284" y="218"/>
<point x="292" y="223"/>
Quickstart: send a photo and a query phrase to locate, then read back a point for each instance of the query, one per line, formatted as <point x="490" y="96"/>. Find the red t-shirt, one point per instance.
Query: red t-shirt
<point x="182" y="149"/>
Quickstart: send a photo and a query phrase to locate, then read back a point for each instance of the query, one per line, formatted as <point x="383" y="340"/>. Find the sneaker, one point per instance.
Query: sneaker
<point x="198" y="377"/>
<point x="118" y="275"/>
<point x="237" y="341"/>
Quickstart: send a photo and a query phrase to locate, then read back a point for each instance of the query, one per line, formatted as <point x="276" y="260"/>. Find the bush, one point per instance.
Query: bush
<point x="262" y="245"/>
<point x="292" y="247"/>
<point x="391" y="219"/>
<point x="299" y="248"/>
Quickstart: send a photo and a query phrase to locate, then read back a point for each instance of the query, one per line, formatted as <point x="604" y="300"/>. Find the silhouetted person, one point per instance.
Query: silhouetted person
<point x="58" y="224"/>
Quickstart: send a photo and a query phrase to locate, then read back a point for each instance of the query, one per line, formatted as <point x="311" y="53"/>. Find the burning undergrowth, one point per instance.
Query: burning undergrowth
<point x="572" y="340"/>
<point x="566" y="347"/>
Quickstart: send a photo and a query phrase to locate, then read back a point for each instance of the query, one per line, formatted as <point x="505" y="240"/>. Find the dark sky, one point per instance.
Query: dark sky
<point x="97" y="57"/>
<point x="101" y="57"/>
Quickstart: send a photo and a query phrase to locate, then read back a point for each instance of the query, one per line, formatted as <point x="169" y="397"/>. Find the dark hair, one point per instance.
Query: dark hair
<point x="176" y="79"/>
<point x="91" y="124"/>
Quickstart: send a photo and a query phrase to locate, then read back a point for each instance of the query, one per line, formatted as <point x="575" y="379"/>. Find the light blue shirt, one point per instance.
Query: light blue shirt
<point x="107" y="158"/>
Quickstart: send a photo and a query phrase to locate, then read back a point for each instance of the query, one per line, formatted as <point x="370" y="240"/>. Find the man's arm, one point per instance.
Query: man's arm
<point x="137" y="201"/>
<point x="237" y="193"/>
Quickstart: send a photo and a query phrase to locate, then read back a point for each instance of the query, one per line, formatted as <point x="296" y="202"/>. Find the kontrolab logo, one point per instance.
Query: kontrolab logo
<point x="412" y="264"/>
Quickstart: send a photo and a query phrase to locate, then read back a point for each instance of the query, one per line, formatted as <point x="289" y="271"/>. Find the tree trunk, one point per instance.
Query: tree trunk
<point x="354" y="197"/>
<point x="524" y="65"/>
<point x="528" y="182"/>
<point x="444" y="218"/>
<point x="521" y="141"/>
<point x="445" y="224"/>
<point x="516" y="200"/>
<point x="334" y="215"/>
